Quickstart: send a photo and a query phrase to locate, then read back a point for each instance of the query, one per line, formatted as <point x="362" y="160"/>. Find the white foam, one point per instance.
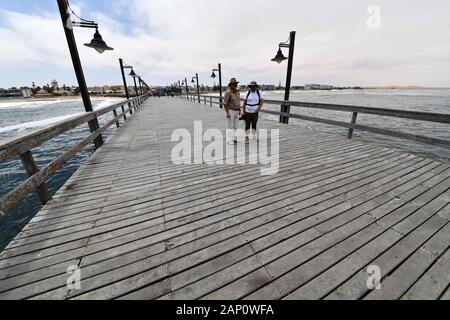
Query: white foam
<point x="35" y="124"/>
<point x="107" y="102"/>
<point x="31" y="104"/>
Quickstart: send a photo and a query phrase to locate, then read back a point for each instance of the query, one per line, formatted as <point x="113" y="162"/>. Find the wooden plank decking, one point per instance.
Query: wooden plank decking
<point x="140" y="227"/>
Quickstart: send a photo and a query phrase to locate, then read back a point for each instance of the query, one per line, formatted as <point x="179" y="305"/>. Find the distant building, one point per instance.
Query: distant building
<point x="118" y="89"/>
<point x="314" y="86"/>
<point x="95" y="90"/>
<point x="27" y="92"/>
<point x="106" y="89"/>
<point x="267" y="87"/>
<point x="55" y="85"/>
<point x="15" y="93"/>
<point x="42" y="94"/>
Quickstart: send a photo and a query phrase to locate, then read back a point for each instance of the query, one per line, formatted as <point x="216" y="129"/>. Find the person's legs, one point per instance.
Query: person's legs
<point x="248" y="123"/>
<point x="235" y="117"/>
<point x="255" y="121"/>
<point x="232" y="124"/>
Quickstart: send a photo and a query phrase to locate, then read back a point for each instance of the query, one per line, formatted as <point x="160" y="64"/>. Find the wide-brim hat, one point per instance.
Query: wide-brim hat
<point x="253" y="84"/>
<point x="233" y="81"/>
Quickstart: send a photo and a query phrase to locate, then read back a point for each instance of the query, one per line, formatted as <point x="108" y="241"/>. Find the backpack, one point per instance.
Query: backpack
<point x="259" y="98"/>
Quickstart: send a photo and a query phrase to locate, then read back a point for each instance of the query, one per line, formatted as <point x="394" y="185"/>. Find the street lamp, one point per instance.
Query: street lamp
<point x="123" y="66"/>
<point x="134" y="75"/>
<point x="219" y="70"/>
<point x="185" y="82"/>
<point x="140" y="85"/>
<point x="97" y="43"/>
<point x="279" y="58"/>
<point x="194" y="79"/>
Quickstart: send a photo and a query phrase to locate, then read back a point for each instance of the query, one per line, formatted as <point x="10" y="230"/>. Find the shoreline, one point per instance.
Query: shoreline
<point x="49" y="99"/>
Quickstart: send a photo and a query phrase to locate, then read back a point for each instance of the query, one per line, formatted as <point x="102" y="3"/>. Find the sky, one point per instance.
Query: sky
<point x="345" y="43"/>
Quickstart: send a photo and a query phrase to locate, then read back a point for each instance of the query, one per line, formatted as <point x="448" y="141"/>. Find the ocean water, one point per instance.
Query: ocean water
<point x="18" y="118"/>
<point x="429" y="100"/>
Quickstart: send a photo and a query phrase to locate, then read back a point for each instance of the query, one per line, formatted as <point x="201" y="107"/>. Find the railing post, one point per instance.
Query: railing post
<point x="285" y="108"/>
<point x="31" y="169"/>
<point x="205" y="100"/>
<point x="123" y="112"/>
<point x="130" y="108"/>
<point x="115" y="116"/>
<point x="353" y="122"/>
<point x="210" y="100"/>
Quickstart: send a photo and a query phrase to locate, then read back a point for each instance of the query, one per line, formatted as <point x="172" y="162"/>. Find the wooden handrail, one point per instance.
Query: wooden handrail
<point x="22" y="145"/>
<point x="413" y="115"/>
<point x="18" y="145"/>
<point x="355" y="110"/>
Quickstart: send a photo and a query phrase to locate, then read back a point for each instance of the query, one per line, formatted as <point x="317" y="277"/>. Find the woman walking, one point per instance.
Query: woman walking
<point x="232" y="105"/>
<point x="253" y="104"/>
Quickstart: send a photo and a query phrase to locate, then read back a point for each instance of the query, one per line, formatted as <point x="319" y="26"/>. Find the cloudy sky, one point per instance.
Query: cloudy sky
<point x="338" y="42"/>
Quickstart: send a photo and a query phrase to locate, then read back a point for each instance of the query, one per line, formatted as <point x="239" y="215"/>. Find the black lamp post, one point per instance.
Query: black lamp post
<point x="213" y="75"/>
<point x="134" y="75"/>
<point x="279" y="58"/>
<point x="122" y="69"/>
<point x="187" y="89"/>
<point x="198" y="87"/>
<point x="97" y="43"/>
<point x="140" y="85"/>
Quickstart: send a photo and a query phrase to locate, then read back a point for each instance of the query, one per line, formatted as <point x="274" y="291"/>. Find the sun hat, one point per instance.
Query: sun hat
<point x="233" y="81"/>
<point x="253" y="84"/>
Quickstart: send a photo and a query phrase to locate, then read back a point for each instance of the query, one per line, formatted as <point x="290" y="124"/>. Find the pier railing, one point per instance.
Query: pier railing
<point x="354" y="111"/>
<point x="22" y="146"/>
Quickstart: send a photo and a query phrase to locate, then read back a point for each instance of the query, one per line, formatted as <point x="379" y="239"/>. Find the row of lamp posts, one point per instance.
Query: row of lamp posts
<point x="100" y="46"/>
<point x="279" y="58"/>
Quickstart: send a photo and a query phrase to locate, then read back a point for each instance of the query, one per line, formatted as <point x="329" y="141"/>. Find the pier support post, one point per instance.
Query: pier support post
<point x="31" y="169"/>
<point x="115" y="116"/>
<point x="350" y="130"/>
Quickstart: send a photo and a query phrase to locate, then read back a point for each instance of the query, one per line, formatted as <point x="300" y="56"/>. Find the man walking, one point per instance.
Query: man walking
<point x="232" y="105"/>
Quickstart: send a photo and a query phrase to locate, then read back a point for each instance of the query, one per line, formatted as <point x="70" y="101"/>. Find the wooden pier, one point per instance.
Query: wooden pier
<point x="140" y="227"/>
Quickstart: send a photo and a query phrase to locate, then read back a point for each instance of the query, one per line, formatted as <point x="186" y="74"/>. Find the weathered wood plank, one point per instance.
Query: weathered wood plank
<point x="169" y="232"/>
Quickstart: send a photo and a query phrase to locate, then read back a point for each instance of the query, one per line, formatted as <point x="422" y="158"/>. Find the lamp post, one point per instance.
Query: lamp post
<point x="140" y="85"/>
<point x="220" y="83"/>
<point x="97" y="43"/>
<point x="198" y="87"/>
<point x="279" y="58"/>
<point x="122" y="69"/>
<point x="127" y="94"/>
<point x="187" y="89"/>
<point x="134" y="75"/>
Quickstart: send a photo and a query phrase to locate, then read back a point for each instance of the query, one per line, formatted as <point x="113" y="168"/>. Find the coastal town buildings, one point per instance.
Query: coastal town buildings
<point x="16" y="93"/>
